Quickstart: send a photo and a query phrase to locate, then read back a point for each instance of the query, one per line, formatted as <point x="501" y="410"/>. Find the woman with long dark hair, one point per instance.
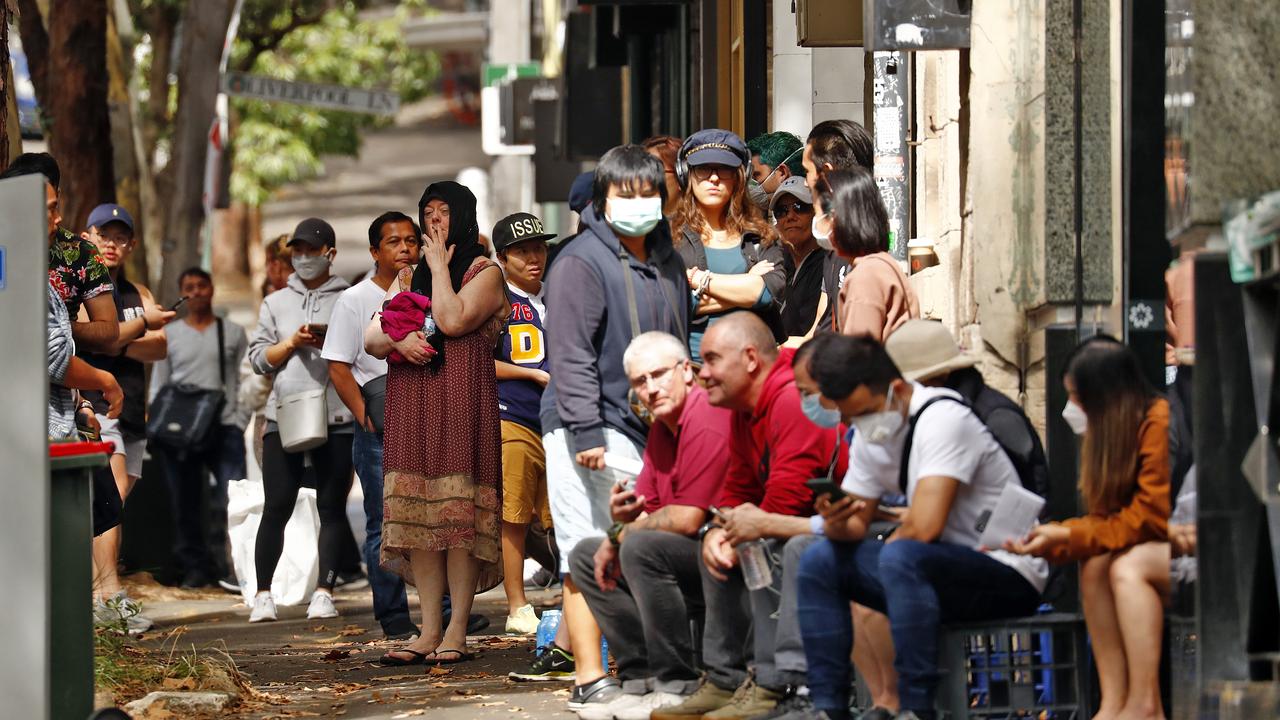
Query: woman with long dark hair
<point x="1122" y="543"/>
<point x="731" y="254"/>
<point x="442" y="451"/>
<point x="875" y="298"/>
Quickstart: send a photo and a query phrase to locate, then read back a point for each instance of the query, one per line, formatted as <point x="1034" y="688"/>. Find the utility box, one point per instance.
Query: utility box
<point x="829" y="23"/>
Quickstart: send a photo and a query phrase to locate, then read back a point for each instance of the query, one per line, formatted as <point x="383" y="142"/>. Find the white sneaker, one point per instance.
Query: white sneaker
<point x="524" y="622"/>
<point x="264" y="608"/>
<point x="120" y="611"/>
<point x="638" y="707"/>
<point x="321" y="606"/>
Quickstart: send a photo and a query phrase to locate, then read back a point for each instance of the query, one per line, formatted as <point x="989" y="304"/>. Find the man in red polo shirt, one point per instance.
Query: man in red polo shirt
<point x="766" y="507"/>
<point x="642" y="582"/>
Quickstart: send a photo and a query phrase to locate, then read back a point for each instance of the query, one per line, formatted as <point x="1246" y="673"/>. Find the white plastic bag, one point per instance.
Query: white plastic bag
<point x="299" y="566"/>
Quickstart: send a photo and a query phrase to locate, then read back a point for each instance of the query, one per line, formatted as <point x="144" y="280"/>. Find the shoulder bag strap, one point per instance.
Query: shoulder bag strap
<point x="631" y="293"/>
<point x="911" y="432"/>
<point x="222" y="356"/>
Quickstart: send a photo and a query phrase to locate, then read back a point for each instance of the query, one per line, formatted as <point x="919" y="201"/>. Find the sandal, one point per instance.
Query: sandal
<point x="457" y="656"/>
<point x="392" y="661"/>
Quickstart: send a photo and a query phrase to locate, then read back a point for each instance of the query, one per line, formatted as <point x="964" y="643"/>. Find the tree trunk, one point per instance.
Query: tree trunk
<point x="164" y="23"/>
<point x="127" y="173"/>
<point x="204" y="28"/>
<point x="80" y="132"/>
<point x="35" y="45"/>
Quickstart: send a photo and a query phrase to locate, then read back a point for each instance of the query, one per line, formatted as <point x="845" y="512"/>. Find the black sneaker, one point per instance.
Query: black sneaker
<point x="552" y="663"/>
<point x="400" y="629"/>
<point x="798" y="704"/>
<point x="596" y="694"/>
<point x="543" y="579"/>
<point x="351" y="580"/>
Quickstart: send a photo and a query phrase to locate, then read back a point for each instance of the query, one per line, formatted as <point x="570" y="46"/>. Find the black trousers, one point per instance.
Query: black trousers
<point x="282" y="477"/>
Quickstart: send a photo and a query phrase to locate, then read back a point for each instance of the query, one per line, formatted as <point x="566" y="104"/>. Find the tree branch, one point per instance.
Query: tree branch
<point x="272" y="37"/>
<point x="35" y="44"/>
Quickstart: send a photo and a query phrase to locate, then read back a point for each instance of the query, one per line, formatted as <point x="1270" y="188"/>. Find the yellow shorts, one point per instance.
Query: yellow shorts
<point x="524" y="476"/>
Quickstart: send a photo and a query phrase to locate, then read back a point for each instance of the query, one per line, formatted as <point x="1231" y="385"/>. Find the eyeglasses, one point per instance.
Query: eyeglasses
<point x="657" y="377"/>
<point x="702" y="172"/>
<point x="781" y="209"/>
<point x="120" y="242"/>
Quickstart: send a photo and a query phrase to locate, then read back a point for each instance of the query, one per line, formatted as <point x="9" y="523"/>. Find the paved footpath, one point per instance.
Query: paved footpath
<point x="327" y="668"/>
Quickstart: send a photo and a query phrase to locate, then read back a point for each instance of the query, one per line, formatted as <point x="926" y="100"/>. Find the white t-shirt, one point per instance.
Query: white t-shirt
<point x="952" y="442"/>
<point x="344" y="341"/>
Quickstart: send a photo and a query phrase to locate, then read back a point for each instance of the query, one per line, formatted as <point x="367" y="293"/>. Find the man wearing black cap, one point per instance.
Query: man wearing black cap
<point x="141" y="340"/>
<point x="521" y="360"/>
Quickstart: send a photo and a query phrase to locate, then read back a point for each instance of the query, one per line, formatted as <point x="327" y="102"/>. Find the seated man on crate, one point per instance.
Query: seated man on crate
<point x="932" y="570"/>
<point x="642" y="582"/>
<point x="749" y="557"/>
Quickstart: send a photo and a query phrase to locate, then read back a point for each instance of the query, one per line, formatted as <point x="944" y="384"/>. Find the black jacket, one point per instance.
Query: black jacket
<point x="589" y="324"/>
<point x="694" y="255"/>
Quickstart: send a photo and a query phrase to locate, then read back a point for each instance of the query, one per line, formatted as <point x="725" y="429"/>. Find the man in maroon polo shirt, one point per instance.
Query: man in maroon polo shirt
<point x="774" y="449"/>
<point x="642" y="582"/>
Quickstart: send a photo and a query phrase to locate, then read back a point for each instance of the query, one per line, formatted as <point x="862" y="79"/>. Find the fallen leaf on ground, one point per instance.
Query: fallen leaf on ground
<point x="437" y="670"/>
<point x="186" y="683"/>
<point x="336" y="655"/>
<point x="319" y="628"/>
<point x="352" y="631"/>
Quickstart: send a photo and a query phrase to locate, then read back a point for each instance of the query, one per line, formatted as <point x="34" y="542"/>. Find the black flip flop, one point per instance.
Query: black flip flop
<point x="392" y="661"/>
<point x="437" y="660"/>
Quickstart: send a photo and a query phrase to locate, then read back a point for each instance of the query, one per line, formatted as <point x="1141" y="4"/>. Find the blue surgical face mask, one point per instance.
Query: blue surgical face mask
<point x="823" y="417"/>
<point x="634" y="217"/>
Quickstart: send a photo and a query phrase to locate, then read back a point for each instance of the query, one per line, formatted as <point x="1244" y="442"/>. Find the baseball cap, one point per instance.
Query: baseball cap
<point x="517" y="228"/>
<point x="796" y="187"/>
<point x="314" y="232"/>
<point x="109" y="213"/>
<point x="714" y="147"/>
<point x="924" y="349"/>
<point x="580" y="191"/>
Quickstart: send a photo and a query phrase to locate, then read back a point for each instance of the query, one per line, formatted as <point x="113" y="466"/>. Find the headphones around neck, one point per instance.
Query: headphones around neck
<point x="686" y="149"/>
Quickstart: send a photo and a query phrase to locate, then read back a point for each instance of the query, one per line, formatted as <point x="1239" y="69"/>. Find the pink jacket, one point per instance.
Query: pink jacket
<point x="403" y="314"/>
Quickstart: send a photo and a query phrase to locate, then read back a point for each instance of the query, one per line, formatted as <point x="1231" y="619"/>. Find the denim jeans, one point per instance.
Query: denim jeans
<point x="390" y="607"/>
<point x="920" y="586"/>
<point x="200" y="540"/>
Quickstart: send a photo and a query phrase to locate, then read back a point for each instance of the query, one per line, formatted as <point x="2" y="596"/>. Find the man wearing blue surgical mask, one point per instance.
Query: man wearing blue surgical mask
<point x="620" y="278"/>
<point x="933" y="569"/>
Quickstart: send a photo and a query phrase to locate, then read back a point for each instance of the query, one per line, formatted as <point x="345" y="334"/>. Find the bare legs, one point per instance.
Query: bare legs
<point x="432" y="569"/>
<point x="106" y="547"/>
<point x="584" y="634"/>
<point x="1123" y="609"/>
<point x="513" y="541"/>
<point x="873" y="656"/>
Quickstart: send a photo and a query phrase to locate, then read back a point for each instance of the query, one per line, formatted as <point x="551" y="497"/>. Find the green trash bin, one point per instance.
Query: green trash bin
<point x="71" y="468"/>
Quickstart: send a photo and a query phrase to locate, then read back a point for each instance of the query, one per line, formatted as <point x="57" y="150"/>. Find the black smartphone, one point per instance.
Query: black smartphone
<point x="318" y="329"/>
<point x="824" y="486"/>
<point x="178" y="304"/>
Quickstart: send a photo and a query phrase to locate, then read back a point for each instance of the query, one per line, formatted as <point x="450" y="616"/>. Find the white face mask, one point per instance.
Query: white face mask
<point x="880" y="427"/>
<point x="823" y="238"/>
<point x="310" y="267"/>
<point x="1075" y="417"/>
<point x="634" y="217"/>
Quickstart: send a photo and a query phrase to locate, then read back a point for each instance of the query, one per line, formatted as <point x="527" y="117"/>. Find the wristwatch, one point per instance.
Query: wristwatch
<point x="706" y="528"/>
<point x="614" y="533"/>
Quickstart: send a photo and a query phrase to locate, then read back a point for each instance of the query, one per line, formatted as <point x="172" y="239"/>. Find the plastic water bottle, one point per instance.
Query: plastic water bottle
<point x="428" y="325"/>
<point x="546" y="635"/>
<point x="547" y="628"/>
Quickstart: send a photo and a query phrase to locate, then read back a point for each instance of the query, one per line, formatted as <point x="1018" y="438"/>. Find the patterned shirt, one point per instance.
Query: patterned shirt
<point x="62" y="404"/>
<point x="76" y="271"/>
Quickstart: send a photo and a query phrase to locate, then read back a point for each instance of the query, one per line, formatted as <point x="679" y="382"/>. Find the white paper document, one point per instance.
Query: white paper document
<point x="624" y="469"/>
<point x="1015" y="513"/>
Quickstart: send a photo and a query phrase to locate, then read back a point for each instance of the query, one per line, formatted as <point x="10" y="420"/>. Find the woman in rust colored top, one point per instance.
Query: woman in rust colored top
<point x="1122" y="543"/>
<point x="875" y="297"/>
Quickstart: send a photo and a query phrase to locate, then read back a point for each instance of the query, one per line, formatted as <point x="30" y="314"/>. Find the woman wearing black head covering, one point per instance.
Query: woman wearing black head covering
<point x="442" y="449"/>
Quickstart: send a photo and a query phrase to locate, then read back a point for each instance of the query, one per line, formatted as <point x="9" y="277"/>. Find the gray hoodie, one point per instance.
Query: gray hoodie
<point x="282" y="313"/>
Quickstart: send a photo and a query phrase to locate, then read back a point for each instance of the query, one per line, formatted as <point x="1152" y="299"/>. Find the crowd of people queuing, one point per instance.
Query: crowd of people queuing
<point x="816" y="462"/>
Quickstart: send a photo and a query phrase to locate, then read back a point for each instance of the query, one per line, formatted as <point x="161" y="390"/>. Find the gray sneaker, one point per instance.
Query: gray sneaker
<point x="594" y="696"/>
<point x="122" y="613"/>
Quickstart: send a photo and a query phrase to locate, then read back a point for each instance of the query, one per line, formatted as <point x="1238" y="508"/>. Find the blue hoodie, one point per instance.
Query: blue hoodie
<point x="589" y="327"/>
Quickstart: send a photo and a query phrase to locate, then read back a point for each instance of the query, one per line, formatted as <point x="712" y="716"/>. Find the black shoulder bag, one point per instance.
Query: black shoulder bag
<point x="182" y="416"/>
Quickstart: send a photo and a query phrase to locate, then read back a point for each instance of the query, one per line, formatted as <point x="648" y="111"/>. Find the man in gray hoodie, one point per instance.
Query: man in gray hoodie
<point x="292" y="325"/>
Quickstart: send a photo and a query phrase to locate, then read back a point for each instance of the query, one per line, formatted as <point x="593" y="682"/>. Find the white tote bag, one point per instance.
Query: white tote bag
<point x="299" y="566"/>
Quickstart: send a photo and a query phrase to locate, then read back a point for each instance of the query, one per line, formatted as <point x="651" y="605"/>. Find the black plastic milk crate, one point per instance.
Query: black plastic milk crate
<point x="1030" y="667"/>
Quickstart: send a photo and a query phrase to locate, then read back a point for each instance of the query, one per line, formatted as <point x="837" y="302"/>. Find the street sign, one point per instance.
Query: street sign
<point x="493" y="74"/>
<point x="330" y="97"/>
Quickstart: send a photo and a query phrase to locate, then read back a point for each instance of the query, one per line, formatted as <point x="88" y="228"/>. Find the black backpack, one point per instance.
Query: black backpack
<point x="1012" y="431"/>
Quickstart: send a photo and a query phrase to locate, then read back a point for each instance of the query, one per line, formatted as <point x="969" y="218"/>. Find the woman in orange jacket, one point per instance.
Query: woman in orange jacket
<point x="1122" y="543"/>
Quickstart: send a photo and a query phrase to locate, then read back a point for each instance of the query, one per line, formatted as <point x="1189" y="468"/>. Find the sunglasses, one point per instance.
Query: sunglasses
<point x="781" y="209"/>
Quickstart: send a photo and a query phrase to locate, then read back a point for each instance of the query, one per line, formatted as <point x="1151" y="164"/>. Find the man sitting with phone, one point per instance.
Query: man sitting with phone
<point x="932" y="569"/>
<point x="642" y="581"/>
<point x="749" y="557"/>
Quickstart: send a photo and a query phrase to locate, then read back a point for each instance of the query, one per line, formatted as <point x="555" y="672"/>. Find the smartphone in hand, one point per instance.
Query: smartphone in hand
<point x="175" y="306"/>
<point x="318" y="329"/>
<point x="824" y="486"/>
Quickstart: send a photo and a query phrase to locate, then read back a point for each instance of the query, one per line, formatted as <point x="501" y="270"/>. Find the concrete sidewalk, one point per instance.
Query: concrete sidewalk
<point x="327" y="668"/>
